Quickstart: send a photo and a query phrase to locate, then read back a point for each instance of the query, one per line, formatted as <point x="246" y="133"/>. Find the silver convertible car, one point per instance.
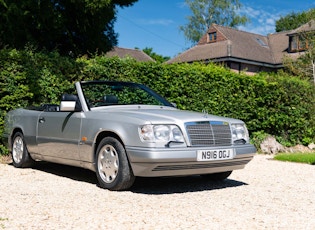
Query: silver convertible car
<point x="124" y="130"/>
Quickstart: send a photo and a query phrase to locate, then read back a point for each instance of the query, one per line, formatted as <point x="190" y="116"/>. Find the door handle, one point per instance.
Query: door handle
<point x="41" y="120"/>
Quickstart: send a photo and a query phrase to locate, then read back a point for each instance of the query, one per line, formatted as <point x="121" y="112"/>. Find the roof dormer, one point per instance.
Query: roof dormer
<point x="213" y="35"/>
<point x="299" y="39"/>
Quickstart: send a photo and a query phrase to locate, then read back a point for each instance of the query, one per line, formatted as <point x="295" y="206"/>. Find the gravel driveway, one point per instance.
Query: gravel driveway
<point x="267" y="194"/>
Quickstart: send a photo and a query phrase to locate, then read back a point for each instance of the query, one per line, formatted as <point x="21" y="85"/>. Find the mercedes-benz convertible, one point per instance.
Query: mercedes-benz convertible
<point x="125" y="130"/>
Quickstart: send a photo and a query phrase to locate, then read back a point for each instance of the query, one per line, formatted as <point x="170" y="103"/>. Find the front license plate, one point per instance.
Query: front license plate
<point x="213" y="155"/>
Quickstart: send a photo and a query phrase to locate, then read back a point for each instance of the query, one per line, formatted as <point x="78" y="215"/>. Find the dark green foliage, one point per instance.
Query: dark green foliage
<point x="73" y="27"/>
<point x="32" y="78"/>
<point x="282" y="106"/>
<point x="155" y="56"/>
<point x="294" y="20"/>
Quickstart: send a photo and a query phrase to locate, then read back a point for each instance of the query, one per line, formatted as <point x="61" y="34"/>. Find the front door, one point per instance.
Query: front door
<point x="59" y="134"/>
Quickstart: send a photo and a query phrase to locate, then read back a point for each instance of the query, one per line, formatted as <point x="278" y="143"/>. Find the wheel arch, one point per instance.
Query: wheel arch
<point x="101" y="136"/>
<point x="10" y="139"/>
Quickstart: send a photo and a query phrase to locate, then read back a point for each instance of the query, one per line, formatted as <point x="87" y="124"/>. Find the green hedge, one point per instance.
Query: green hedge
<point x="282" y="106"/>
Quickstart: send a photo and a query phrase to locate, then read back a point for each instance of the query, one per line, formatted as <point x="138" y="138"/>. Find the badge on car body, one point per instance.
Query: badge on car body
<point x="205" y="113"/>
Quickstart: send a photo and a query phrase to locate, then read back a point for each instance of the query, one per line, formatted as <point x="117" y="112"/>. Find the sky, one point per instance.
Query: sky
<point x="155" y="23"/>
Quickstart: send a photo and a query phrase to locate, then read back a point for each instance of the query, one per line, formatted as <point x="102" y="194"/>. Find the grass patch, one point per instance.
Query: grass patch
<point x="306" y="158"/>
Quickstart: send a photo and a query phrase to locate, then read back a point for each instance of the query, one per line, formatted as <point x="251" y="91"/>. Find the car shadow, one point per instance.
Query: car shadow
<point x="171" y="185"/>
<point x="142" y="185"/>
<point x="74" y="173"/>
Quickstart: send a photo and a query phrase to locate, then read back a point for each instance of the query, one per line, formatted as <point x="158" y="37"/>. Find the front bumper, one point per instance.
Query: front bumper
<point x="154" y="162"/>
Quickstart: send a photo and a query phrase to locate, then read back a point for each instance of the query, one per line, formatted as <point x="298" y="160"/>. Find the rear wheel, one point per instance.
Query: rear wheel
<point x="112" y="166"/>
<point x="218" y="176"/>
<point x="20" y="156"/>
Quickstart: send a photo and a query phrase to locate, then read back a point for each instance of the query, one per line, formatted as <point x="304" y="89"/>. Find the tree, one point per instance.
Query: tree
<point x="75" y="26"/>
<point x="294" y="20"/>
<point x="206" y="12"/>
<point x="157" y="57"/>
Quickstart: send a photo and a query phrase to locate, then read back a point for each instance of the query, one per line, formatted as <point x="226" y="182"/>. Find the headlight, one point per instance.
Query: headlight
<point x="160" y="133"/>
<point x="239" y="132"/>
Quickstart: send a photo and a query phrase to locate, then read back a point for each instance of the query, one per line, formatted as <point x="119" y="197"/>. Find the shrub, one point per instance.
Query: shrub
<point x="258" y="138"/>
<point x="282" y="106"/>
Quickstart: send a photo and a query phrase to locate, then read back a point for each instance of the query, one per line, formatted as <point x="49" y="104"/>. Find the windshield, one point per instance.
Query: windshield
<point x="102" y="93"/>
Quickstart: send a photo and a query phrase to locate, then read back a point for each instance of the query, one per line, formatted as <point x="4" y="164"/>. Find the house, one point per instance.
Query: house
<point x="138" y="55"/>
<point x="244" y="51"/>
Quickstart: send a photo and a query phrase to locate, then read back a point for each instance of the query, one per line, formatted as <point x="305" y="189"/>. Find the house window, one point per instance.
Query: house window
<point x="212" y="37"/>
<point x="261" y="42"/>
<point x="298" y="43"/>
<point x="303" y="43"/>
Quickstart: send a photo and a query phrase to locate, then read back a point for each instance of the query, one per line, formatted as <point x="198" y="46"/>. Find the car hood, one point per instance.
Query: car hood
<point x="161" y="114"/>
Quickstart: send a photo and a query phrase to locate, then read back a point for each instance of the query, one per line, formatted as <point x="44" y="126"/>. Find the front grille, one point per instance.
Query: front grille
<point x="209" y="133"/>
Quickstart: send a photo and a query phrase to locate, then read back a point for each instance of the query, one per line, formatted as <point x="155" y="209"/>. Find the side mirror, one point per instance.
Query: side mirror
<point x="70" y="103"/>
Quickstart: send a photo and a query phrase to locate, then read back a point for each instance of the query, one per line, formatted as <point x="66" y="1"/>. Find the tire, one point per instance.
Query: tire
<point x="218" y="176"/>
<point x="113" y="170"/>
<point x="20" y="155"/>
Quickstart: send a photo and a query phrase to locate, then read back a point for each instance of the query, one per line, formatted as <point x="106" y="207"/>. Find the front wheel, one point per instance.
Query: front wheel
<point x="20" y="155"/>
<point x="218" y="176"/>
<point x="112" y="166"/>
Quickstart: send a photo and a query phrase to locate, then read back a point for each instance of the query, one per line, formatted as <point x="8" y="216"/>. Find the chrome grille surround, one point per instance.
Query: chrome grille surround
<point x="209" y="133"/>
